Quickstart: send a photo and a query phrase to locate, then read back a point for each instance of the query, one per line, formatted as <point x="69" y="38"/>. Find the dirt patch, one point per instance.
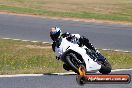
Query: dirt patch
<point x="73" y="19"/>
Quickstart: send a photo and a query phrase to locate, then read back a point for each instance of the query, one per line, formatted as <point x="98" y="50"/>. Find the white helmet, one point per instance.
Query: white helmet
<point x="55" y="33"/>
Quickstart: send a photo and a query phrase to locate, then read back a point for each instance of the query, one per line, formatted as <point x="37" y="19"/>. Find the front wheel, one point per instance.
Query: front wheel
<point x="105" y="67"/>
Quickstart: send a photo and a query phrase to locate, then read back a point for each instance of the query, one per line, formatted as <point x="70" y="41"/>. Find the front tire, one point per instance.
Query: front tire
<point x="105" y="67"/>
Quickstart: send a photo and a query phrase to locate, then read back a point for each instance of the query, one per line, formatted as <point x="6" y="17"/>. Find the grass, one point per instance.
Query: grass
<point x="26" y="57"/>
<point x="119" y="60"/>
<point x="17" y="57"/>
<point x="97" y="9"/>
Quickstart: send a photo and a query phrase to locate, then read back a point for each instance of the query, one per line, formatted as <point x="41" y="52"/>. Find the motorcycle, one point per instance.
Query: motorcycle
<point x="74" y="56"/>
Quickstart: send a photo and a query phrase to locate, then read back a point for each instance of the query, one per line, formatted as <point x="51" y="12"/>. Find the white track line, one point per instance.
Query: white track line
<point x="21" y="75"/>
<point x="72" y="73"/>
<point x="34" y="41"/>
<point x="67" y="73"/>
<point x="51" y="43"/>
<point x="46" y="42"/>
<point x="6" y="38"/>
<point x="121" y="70"/>
<point x="25" y="40"/>
<point x="16" y="39"/>
<point x="117" y="50"/>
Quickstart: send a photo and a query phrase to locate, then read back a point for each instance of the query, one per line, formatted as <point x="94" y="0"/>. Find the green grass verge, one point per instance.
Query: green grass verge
<point x="119" y="60"/>
<point x="25" y="57"/>
<point x="17" y="57"/>
<point x="97" y="9"/>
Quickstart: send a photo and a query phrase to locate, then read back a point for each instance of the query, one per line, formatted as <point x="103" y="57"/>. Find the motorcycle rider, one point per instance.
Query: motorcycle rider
<point x="56" y="35"/>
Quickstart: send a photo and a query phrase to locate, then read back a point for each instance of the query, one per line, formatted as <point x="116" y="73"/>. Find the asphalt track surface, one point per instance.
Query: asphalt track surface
<point x="102" y="35"/>
<point x="55" y="81"/>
